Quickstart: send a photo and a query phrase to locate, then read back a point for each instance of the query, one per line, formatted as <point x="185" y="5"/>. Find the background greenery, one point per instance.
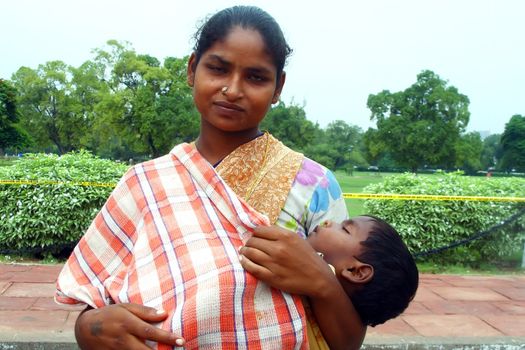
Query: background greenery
<point x="47" y="216"/>
<point x="124" y="105"/>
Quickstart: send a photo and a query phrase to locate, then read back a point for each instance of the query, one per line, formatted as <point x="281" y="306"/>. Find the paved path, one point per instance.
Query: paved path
<point x="449" y="311"/>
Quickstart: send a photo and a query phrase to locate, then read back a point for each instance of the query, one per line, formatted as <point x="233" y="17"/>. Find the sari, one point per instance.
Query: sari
<point x="168" y="237"/>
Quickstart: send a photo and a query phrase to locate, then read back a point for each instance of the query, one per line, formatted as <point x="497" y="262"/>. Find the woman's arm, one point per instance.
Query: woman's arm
<point x="286" y="261"/>
<point x="121" y="326"/>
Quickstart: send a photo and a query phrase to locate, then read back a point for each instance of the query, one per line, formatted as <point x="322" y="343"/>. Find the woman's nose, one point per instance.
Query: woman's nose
<point x="235" y="89"/>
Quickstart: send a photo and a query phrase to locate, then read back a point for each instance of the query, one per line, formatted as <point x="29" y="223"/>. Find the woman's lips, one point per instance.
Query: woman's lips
<point x="229" y="106"/>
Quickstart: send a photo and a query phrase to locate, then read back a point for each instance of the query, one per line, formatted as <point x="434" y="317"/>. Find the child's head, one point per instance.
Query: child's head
<point x="372" y="263"/>
<point x="218" y="26"/>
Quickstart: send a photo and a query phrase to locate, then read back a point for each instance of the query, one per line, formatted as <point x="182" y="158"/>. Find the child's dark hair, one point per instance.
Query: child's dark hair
<point x="218" y="26"/>
<point x="395" y="279"/>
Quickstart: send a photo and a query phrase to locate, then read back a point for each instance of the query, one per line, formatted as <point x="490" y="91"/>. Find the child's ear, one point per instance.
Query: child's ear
<point x="190" y="71"/>
<point x="358" y="273"/>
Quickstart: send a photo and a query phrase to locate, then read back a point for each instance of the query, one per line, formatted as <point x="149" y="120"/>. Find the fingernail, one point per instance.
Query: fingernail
<point x="179" y="342"/>
<point x="240" y="257"/>
<point x="158" y="312"/>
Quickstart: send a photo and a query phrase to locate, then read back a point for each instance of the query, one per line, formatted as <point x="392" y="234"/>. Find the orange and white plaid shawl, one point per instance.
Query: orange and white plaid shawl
<point x="168" y="237"/>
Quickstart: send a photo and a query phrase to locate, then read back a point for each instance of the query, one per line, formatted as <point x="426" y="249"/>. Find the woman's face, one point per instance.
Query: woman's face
<point x="241" y="64"/>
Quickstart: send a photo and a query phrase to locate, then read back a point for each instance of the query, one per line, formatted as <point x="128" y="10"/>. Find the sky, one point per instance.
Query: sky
<point x="343" y="50"/>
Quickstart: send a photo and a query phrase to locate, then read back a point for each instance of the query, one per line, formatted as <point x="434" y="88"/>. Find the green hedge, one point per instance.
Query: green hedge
<point x="427" y="225"/>
<point x="46" y="215"/>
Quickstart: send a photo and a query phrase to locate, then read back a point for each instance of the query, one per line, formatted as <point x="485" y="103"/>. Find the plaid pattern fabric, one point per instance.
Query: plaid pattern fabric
<point x="167" y="237"/>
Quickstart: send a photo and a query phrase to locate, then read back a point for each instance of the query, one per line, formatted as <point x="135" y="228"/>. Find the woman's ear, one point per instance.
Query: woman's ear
<point x="358" y="273"/>
<point x="279" y="88"/>
<point x="190" y="72"/>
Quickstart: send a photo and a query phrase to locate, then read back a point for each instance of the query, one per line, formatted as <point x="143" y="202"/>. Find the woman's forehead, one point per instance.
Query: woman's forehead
<point x="241" y="43"/>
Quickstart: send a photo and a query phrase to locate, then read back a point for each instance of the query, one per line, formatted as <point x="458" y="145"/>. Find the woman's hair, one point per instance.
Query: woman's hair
<point x="395" y="279"/>
<point x="218" y="26"/>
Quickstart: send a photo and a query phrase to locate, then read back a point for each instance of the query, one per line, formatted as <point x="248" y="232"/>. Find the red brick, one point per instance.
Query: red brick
<point x="71" y="319"/>
<point x="3" y="286"/>
<point x="394" y="327"/>
<point x="511" y="325"/>
<point x="480" y="281"/>
<point x="450" y="326"/>
<point x="14" y="303"/>
<point x="4" y="268"/>
<point x="512" y="307"/>
<point x="468" y="294"/>
<point x="512" y="293"/>
<point x="37" y="274"/>
<point x="30" y="290"/>
<point x="453" y="307"/>
<point x="32" y="320"/>
<point x="416" y="308"/>
<point x="49" y="304"/>
<point x="424" y="294"/>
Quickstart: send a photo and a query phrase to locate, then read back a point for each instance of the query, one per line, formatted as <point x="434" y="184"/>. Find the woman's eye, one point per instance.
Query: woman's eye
<point x="346" y="230"/>
<point x="217" y="69"/>
<point x="257" y="78"/>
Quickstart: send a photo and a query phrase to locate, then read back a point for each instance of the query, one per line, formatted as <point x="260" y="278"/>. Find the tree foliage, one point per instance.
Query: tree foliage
<point x="422" y="124"/>
<point x="11" y="135"/>
<point x="491" y="151"/>
<point x="289" y="124"/>
<point x="121" y="104"/>
<point x="513" y="144"/>
<point x="468" y="152"/>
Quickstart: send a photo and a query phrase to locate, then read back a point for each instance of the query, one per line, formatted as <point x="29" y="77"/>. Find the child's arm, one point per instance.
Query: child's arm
<point x="286" y="261"/>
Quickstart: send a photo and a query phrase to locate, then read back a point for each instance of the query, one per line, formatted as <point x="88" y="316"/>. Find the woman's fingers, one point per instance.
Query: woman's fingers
<point x="145" y="313"/>
<point x="122" y="326"/>
<point x="144" y="330"/>
<point x="258" y="271"/>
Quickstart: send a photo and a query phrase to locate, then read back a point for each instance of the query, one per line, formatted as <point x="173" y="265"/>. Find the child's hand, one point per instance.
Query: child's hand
<point x="286" y="261"/>
<point x="122" y="326"/>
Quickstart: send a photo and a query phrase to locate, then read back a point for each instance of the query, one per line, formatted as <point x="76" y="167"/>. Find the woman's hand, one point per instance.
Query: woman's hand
<point x="287" y="262"/>
<point x="284" y="260"/>
<point x="122" y="326"/>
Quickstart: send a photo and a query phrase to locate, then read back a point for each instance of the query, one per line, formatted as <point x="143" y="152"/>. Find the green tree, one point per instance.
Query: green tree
<point x="373" y="146"/>
<point x="149" y="106"/>
<point x="289" y="124"/>
<point x="338" y="146"/>
<point x="513" y="144"/>
<point x="11" y="134"/>
<point x="468" y="152"/>
<point x="422" y="124"/>
<point x="491" y="151"/>
<point x="49" y="109"/>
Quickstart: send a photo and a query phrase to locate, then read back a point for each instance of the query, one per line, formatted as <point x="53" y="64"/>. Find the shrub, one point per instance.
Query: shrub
<point x="46" y="215"/>
<point x="427" y="225"/>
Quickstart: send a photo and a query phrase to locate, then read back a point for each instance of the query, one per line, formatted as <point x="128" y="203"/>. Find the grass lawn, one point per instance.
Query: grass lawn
<point x="355" y="184"/>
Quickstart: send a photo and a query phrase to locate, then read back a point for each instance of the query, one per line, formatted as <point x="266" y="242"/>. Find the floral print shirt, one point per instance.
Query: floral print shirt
<point x="315" y="197"/>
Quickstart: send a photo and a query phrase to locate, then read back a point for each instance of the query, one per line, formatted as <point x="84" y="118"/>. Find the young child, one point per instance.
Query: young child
<point x="372" y="264"/>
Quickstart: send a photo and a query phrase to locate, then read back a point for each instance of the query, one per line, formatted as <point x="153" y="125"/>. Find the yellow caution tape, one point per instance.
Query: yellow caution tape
<point x="417" y="197"/>
<point x="49" y="182"/>
<point x="427" y="197"/>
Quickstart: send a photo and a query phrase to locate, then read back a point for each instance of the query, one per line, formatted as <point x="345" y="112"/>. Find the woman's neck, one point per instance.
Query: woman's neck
<point x="216" y="145"/>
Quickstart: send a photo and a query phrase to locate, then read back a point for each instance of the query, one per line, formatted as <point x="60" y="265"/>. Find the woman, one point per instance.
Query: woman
<point x="168" y="235"/>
